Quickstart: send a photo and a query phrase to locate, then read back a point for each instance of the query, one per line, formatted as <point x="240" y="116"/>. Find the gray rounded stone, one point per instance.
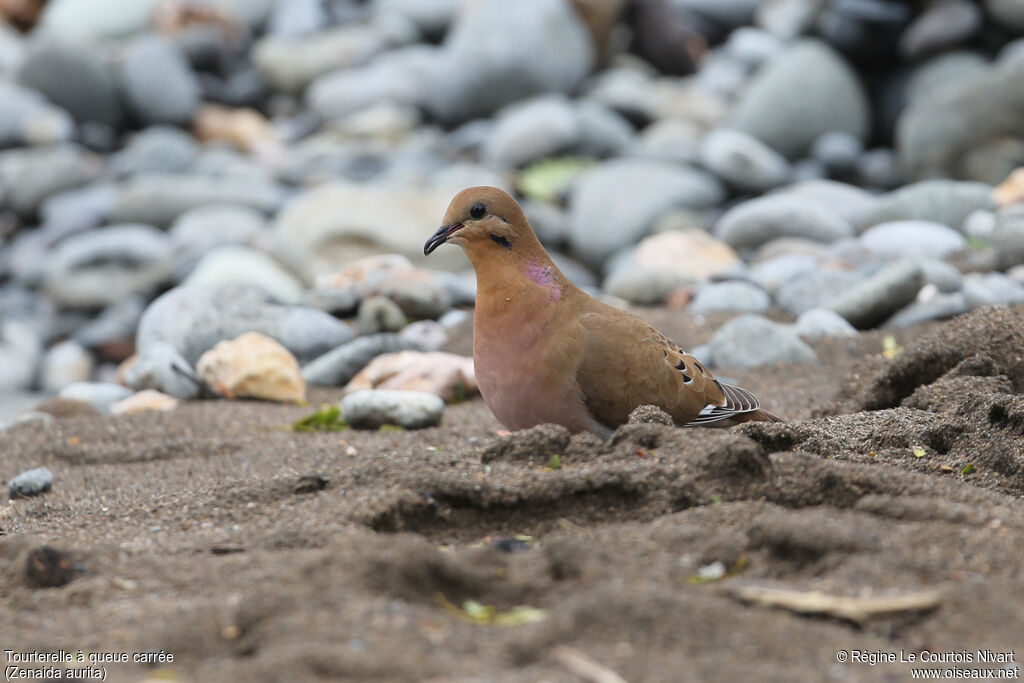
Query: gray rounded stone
<point x="336" y="367"/>
<point x="29" y="176"/>
<point x="532" y="130"/>
<point x="871" y="302"/>
<point x="849" y="201"/>
<point x="800" y="94"/>
<point x="20" y="352"/>
<point x="30" y="483"/>
<point x="938" y="132"/>
<point x="1007" y="12"/>
<point x="912" y="238"/>
<point x="160" y="198"/>
<point x="742" y="161"/>
<point x="373" y="408"/>
<point x="757" y="221"/>
<point x="77" y="78"/>
<point x="821" y="322"/>
<point x="26" y="118"/>
<point x="157" y="82"/>
<point x="532" y="46"/>
<point x="735" y="295"/>
<point x="236" y="263"/>
<point x="380" y="314"/>
<point x="163" y="368"/>
<point x="615" y="204"/>
<point x="194" y="319"/>
<point x="100" y="395"/>
<point x="99" y="267"/>
<point x="990" y="289"/>
<point x="837" y="151"/>
<point x="750" y="341"/>
<point x="811" y="289"/>
<point x="944" y="201"/>
<point x="158" y="149"/>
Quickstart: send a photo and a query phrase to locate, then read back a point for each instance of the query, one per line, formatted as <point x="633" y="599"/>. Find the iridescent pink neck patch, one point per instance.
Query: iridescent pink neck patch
<point x="544" y="275"/>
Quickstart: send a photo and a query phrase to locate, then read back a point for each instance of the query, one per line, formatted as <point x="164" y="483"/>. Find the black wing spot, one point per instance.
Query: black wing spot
<point x="501" y="240"/>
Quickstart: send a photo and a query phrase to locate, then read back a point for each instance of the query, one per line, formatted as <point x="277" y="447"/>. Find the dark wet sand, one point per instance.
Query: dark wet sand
<point x="185" y="533"/>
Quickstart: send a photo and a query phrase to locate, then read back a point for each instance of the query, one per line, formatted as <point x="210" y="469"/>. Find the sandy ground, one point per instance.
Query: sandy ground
<point x="202" y="533"/>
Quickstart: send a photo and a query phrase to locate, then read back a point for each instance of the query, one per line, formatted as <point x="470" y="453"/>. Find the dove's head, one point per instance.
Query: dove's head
<point x="482" y="220"/>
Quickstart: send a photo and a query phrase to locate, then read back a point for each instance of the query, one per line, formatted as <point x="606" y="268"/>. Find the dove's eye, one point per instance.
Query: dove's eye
<point x="477" y="210"/>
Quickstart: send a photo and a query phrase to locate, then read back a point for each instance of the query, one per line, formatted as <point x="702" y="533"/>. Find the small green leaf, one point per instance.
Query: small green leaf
<point x="555" y="463"/>
<point x="967" y="469"/>
<point x="460" y="393"/>
<point x="327" y="419"/>
<point x="547" y="179"/>
<point x="391" y="428"/>
<point x="918" y="452"/>
<point x="520" y="615"/>
<point x="890" y="347"/>
<point x="716" y="499"/>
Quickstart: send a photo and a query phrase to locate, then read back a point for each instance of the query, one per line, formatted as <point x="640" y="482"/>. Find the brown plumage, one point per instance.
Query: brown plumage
<point x="546" y="351"/>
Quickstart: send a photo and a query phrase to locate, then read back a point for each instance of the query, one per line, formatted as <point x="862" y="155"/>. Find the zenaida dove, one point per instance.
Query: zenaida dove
<point x="547" y="352"/>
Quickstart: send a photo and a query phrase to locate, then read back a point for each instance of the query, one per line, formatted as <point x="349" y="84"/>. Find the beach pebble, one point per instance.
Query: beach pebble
<point x="373" y="408"/>
<point x="78" y="209"/>
<point x="750" y="340"/>
<point x="812" y="288"/>
<point x="194" y="319"/>
<point x="290" y="62"/>
<point x="945" y="277"/>
<point x="735" y="295"/>
<point x="821" y="322"/>
<point x="245" y="265"/>
<point x="27" y="118"/>
<point x="616" y="203"/>
<point x="805" y="91"/>
<point x="157" y="149"/>
<point x="771" y="273"/>
<point x="147" y="400"/>
<point x="160" y="198"/>
<point x="940" y="307"/>
<point x="689" y="254"/>
<point x="757" y="221"/>
<point x="872" y="301"/>
<point x="30" y="483"/>
<point x="531" y="130"/>
<point x="443" y="374"/>
<point x="162" y="368"/>
<point x="379" y="314"/>
<point x="253" y="366"/>
<point x="645" y="287"/>
<point x="76" y="76"/>
<point x="743" y="162"/>
<point x="65" y="363"/>
<point x="99" y="395"/>
<point x="535" y="46"/>
<point x="912" y="238"/>
<point x="990" y="289"/>
<point x="852" y="203"/>
<point x="172" y="98"/>
<point x="341" y="222"/>
<point x="204" y="228"/>
<point x="429" y="335"/>
<point x="338" y="366"/>
<point x="20" y="352"/>
<point x="947" y="202"/>
<point x="28" y="176"/>
<point x="99" y="267"/>
<point x="837" y="151"/>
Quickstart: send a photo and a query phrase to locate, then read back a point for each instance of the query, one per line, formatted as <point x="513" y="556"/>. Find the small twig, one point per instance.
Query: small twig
<point x="858" y="610"/>
<point x="583" y="666"/>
